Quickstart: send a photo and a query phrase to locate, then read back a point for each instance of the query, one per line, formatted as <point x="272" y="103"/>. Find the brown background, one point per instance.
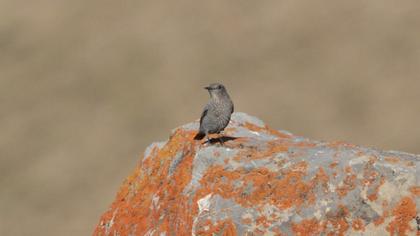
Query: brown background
<point x="85" y="86"/>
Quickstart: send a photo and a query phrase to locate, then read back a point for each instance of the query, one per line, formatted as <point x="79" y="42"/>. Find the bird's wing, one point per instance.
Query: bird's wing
<point x="206" y="108"/>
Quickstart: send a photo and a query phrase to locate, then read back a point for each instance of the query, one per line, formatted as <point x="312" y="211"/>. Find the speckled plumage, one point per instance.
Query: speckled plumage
<point x="216" y="114"/>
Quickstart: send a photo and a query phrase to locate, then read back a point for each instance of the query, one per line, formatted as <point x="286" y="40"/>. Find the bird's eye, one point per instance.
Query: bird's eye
<point x="219" y="86"/>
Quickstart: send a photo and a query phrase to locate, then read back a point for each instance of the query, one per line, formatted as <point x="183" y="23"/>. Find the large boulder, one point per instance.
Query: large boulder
<point x="265" y="182"/>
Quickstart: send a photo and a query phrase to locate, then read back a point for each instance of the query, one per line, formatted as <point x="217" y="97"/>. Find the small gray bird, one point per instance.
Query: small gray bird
<point x="217" y="112"/>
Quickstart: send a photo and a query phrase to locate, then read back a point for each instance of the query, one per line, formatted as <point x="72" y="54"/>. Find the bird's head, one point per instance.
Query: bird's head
<point x="216" y="90"/>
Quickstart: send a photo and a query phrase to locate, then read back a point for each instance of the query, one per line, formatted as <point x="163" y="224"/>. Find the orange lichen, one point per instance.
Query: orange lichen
<point x="358" y="225"/>
<point x="335" y="144"/>
<point x="349" y="183"/>
<point x="333" y="164"/>
<point x="277" y="231"/>
<point x="151" y="179"/>
<point x="272" y="147"/>
<point x="403" y="213"/>
<point x="380" y="220"/>
<point x="392" y="160"/>
<point x="415" y="190"/>
<point x="322" y="178"/>
<point x="399" y="161"/>
<point x="370" y="175"/>
<point x="247" y="221"/>
<point x="360" y="153"/>
<point x="336" y="223"/>
<point x="262" y="220"/>
<point x="266" y="129"/>
<point x="372" y="179"/>
<point x="307" y="227"/>
<point x="222" y="227"/>
<point x="253" y="153"/>
<point x="410" y="163"/>
<point x="373" y="196"/>
<point x="288" y="191"/>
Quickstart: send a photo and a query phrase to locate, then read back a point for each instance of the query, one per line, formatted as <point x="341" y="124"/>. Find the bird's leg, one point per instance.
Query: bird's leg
<point x="220" y="138"/>
<point x="208" y="138"/>
<point x="221" y="141"/>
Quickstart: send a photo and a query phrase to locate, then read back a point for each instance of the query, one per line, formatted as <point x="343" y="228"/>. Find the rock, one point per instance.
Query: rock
<point x="265" y="182"/>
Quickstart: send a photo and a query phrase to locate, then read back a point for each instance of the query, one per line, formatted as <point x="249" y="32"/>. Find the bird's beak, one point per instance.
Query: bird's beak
<point x="208" y="88"/>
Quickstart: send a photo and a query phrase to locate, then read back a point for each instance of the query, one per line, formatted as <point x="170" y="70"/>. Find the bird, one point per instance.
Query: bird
<point x="217" y="112"/>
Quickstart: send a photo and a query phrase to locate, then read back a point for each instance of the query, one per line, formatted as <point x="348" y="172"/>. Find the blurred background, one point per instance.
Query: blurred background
<point x="85" y="86"/>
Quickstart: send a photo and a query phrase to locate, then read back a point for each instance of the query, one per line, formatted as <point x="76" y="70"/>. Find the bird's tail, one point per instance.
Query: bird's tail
<point x="199" y="136"/>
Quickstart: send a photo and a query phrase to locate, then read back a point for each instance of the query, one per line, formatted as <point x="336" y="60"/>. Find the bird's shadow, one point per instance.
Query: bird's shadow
<point x="220" y="140"/>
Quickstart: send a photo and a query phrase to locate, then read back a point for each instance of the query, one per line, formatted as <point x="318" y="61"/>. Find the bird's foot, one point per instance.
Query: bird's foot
<point x="220" y="139"/>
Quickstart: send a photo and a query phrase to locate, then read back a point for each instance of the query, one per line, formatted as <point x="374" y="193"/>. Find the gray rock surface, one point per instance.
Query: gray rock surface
<point x="266" y="182"/>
